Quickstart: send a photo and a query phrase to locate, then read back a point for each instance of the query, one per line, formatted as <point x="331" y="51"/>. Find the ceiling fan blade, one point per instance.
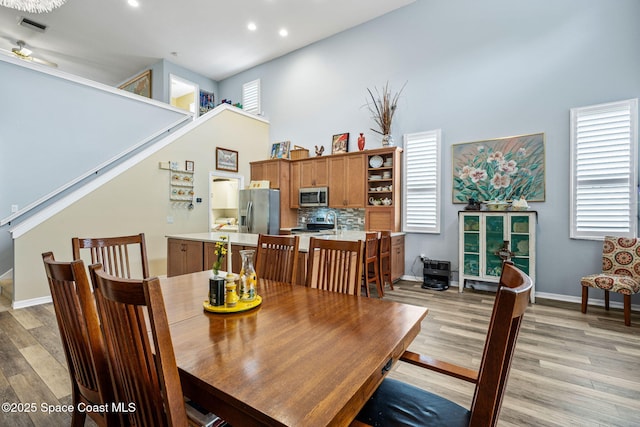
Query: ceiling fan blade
<point x="37" y="60"/>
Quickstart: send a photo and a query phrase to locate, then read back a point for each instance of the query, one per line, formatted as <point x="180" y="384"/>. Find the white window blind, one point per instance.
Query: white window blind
<point x="422" y="182"/>
<point x="604" y="140"/>
<point x="251" y="97"/>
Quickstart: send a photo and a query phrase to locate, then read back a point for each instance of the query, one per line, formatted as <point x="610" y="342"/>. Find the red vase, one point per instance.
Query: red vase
<point x="361" y="142"/>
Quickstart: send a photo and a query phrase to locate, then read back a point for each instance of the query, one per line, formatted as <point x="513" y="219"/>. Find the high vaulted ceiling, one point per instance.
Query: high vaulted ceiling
<point x="109" y="41"/>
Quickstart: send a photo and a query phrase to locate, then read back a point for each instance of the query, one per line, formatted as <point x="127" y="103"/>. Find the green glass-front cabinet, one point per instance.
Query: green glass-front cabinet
<point x="482" y="235"/>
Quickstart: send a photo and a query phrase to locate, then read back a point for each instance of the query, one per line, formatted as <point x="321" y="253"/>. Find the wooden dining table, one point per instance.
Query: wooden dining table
<point x="303" y="357"/>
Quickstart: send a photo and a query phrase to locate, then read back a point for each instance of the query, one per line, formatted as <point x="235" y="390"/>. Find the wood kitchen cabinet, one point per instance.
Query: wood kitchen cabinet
<point x="314" y="172"/>
<point x="294" y="185"/>
<point x="278" y="173"/>
<point x="267" y="170"/>
<point x="397" y="257"/>
<point x="383" y="189"/>
<point x="184" y="256"/>
<point x="346" y="180"/>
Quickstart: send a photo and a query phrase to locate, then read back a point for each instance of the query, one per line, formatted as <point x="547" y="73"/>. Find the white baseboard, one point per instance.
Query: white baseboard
<point x="31" y="302"/>
<point x="7" y="274"/>
<point x="548" y="295"/>
<point x="578" y="300"/>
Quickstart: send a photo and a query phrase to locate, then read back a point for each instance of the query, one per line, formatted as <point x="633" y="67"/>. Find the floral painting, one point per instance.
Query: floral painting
<point x="499" y="169"/>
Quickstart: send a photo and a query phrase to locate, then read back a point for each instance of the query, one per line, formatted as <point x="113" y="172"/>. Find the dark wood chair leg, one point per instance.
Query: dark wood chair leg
<point x="627" y="310"/>
<point x="585" y="298"/>
<point x="78" y="417"/>
<point x="606" y="300"/>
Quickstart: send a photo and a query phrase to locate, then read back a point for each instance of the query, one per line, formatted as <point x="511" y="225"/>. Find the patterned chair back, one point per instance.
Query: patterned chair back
<point x="621" y="256"/>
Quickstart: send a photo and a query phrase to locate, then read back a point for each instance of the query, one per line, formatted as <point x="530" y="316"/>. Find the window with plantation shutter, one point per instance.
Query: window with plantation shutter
<point x="604" y="141"/>
<point x="251" y="97"/>
<point x="422" y="182"/>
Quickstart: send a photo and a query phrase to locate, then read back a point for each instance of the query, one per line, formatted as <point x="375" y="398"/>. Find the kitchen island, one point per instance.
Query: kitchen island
<point x="188" y="253"/>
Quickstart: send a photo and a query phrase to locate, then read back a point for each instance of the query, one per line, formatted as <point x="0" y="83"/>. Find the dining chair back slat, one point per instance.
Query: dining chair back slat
<point x="371" y="264"/>
<point x="144" y="371"/>
<point x="335" y="265"/>
<point x="81" y="336"/>
<point x="113" y="254"/>
<point x="277" y="257"/>
<point x="384" y="259"/>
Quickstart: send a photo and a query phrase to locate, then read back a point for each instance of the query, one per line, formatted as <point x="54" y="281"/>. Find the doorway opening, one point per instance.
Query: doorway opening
<point x="223" y="200"/>
<point x="184" y="94"/>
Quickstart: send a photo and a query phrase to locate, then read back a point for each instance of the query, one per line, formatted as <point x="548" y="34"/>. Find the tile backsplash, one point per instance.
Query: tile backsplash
<point x="352" y="218"/>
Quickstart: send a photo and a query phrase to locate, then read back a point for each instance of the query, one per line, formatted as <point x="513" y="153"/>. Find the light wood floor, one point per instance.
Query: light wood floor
<point x="569" y="369"/>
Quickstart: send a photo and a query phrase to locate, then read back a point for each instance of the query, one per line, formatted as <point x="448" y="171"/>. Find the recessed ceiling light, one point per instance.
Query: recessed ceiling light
<point x="252" y="26"/>
<point x="133" y="3"/>
<point x="283" y="32"/>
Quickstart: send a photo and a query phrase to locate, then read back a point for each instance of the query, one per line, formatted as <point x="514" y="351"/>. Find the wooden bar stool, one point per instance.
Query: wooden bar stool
<point x="384" y="257"/>
<point x="371" y="270"/>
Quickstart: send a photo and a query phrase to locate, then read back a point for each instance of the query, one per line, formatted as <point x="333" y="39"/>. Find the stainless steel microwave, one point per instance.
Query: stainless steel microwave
<point x="311" y="197"/>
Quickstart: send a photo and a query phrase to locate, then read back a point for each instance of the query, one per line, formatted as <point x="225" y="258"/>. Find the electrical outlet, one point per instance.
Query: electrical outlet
<point x="14" y="208"/>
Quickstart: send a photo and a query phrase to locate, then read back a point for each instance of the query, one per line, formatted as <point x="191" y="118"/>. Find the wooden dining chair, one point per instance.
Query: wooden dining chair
<point x="335" y="265"/>
<point x="371" y="263"/>
<point x="398" y="403"/>
<point x="277" y="257"/>
<point x="113" y="254"/>
<point x="384" y="259"/>
<point x="81" y="339"/>
<point x="143" y="371"/>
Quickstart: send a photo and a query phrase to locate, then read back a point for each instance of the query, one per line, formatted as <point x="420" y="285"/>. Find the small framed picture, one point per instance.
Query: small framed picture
<point x="280" y="150"/>
<point x="140" y="84"/>
<point x="340" y="143"/>
<point x="188" y="166"/>
<point x="226" y="160"/>
<point x="275" y="148"/>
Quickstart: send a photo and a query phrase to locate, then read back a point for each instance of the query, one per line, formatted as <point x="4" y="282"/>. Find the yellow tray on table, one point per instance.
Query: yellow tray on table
<point x="240" y="306"/>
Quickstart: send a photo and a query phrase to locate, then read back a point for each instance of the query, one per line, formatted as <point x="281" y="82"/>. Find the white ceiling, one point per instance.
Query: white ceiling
<point x="109" y="41"/>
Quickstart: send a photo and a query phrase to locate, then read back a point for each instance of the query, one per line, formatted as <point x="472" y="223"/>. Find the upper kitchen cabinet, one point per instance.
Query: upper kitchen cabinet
<point x="347" y="174"/>
<point x="278" y="173"/>
<point x="269" y="170"/>
<point x="314" y="172"/>
<point x="384" y="189"/>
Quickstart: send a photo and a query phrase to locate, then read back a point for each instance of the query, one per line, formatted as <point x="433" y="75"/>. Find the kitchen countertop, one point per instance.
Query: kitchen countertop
<point x="247" y="239"/>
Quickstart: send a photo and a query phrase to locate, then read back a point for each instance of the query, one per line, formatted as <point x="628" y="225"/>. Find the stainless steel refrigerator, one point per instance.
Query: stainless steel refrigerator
<point x="259" y="211"/>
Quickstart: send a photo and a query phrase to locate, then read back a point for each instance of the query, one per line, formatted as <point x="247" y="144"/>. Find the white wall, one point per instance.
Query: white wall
<point x="55" y="127"/>
<point x="477" y="70"/>
<point x="137" y="200"/>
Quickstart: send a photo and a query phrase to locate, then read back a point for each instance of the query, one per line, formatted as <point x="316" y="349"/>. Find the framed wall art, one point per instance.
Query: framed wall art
<point x="340" y="143"/>
<point x="140" y="85"/>
<point x="499" y="169"/>
<point x="226" y="160"/>
<point x="280" y="150"/>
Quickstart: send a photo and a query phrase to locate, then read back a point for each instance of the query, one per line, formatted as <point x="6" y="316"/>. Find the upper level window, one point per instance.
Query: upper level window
<point x="251" y="97"/>
<point x="604" y="141"/>
<point x="422" y="182"/>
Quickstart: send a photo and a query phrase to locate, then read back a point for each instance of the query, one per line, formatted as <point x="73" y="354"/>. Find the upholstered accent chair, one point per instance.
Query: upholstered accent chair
<point x="620" y="273"/>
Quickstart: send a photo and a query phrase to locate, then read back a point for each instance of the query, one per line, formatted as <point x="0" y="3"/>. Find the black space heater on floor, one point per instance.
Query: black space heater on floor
<point x="436" y="274"/>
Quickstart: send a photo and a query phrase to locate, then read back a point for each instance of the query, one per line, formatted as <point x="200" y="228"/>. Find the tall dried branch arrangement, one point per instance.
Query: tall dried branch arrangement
<point x="382" y="107"/>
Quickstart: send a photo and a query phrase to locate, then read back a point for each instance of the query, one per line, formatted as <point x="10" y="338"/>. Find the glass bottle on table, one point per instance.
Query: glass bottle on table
<point x="247" y="276"/>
